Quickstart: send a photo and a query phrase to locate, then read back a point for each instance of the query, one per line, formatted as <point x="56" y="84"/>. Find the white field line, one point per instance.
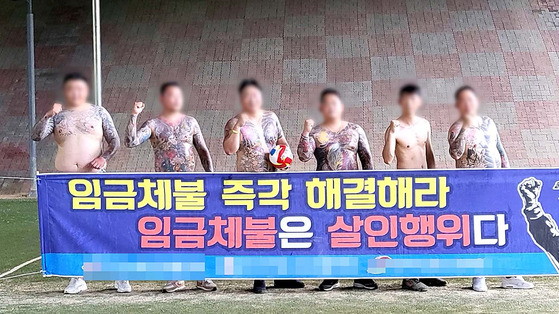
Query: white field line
<point x="20" y="266"/>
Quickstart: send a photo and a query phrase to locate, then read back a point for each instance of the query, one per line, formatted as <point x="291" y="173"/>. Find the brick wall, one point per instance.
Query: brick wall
<point x="507" y="49"/>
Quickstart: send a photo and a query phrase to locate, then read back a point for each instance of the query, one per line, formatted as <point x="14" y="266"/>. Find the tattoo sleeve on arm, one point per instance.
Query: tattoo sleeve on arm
<point x="457" y="141"/>
<point x="110" y="134"/>
<point x="280" y="130"/>
<point x="504" y="158"/>
<point x="136" y="137"/>
<point x="306" y="148"/>
<point x="42" y="129"/>
<point x="231" y="141"/>
<point x="364" y="150"/>
<point x="201" y="148"/>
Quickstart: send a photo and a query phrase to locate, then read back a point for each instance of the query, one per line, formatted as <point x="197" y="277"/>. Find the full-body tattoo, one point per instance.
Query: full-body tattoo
<point x="541" y="226"/>
<point x="173" y="145"/>
<point x="256" y="142"/>
<point x="477" y="146"/>
<point x="80" y="122"/>
<point x="336" y="151"/>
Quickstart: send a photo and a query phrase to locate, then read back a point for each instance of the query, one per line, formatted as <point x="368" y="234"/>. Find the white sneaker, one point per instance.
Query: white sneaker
<point x="123" y="286"/>
<point x="76" y="285"/>
<point x="206" y="285"/>
<point x="516" y="282"/>
<point x="174" y="285"/>
<point x="478" y="284"/>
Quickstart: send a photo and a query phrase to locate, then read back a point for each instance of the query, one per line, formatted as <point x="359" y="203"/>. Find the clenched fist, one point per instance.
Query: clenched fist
<point x="138" y="107"/>
<point x="56" y="108"/>
<point x="529" y="190"/>
<point x="394" y="126"/>
<point x="309" y="124"/>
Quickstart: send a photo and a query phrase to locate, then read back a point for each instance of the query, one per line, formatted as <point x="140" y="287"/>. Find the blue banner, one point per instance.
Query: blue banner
<point x="354" y="224"/>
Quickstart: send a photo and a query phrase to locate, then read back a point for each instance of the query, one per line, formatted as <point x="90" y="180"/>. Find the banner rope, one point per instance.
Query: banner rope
<point x="19" y="267"/>
<point x="17" y="178"/>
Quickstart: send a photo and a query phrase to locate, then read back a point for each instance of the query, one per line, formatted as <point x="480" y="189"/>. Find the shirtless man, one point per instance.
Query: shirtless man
<point x="337" y="145"/>
<point x="408" y="139"/>
<point x="174" y="136"/>
<point x="475" y="143"/>
<point x="79" y="130"/>
<point x="251" y="135"/>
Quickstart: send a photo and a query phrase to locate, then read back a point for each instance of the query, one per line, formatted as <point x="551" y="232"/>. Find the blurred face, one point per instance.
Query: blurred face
<point x="251" y="99"/>
<point x="467" y="103"/>
<point x="410" y="103"/>
<point x="331" y="107"/>
<point x="172" y="99"/>
<point x="76" y="92"/>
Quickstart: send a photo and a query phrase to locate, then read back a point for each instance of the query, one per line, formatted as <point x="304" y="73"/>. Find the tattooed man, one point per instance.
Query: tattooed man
<point x="408" y="139"/>
<point x="251" y="135"/>
<point x="475" y="143"/>
<point x="337" y="145"/>
<point x="174" y="136"/>
<point x="79" y="130"/>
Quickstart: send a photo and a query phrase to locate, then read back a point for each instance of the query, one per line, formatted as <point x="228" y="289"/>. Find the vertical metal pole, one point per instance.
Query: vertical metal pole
<point x="97" y="52"/>
<point x="31" y="92"/>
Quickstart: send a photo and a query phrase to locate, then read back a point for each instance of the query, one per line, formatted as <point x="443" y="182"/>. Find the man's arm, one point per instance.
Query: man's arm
<point x="306" y="147"/>
<point x="430" y="155"/>
<point x="389" y="150"/>
<point x="232" y="138"/>
<point x="109" y="134"/>
<point x="201" y="148"/>
<point x="504" y="158"/>
<point x="457" y="140"/>
<point x="364" y="151"/>
<point x="135" y="137"/>
<point x="45" y="126"/>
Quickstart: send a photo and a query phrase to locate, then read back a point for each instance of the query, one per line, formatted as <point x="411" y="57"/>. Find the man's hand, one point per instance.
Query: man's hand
<point x="138" y="108"/>
<point x="56" y="108"/>
<point x="241" y="120"/>
<point x="529" y="190"/>
<point x="98" y="163"/>
<point x="394" y="127"/>
<point x="309" y="124"/>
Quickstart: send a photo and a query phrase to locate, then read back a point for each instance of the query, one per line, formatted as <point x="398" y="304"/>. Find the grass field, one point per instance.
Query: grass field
<point x="19" y="242"/>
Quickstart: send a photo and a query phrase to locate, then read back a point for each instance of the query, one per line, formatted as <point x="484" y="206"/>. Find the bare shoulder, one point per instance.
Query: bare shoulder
<point x="456" y="126"/>
<point x="231" y="122"/>
<point x="487" y="120"/>
<point x="190" y="120"/>
<point x="356" y="127"/>
<point x="270" y="115"/>
<point x="100" y="110"/>
<point x="424" y="124"/>
<point x="423" y="121"/>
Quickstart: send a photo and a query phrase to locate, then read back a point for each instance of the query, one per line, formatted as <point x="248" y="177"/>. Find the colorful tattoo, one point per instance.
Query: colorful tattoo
<point x="477" y="147"/>
<point x="256" y="142"/>
<point x="173" y="146"/>
<point x="70" y="122"/>
<point x="336" y="151"/>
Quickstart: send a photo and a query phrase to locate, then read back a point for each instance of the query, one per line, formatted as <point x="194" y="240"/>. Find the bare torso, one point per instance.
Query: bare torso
<point x="477" y="146"/>
<point x="173" y="143"/>
<point x="79" y="134"/>
<point x="411" y="144"/>
<point x="257" y="139"/>
<point x="336" y="150"/>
